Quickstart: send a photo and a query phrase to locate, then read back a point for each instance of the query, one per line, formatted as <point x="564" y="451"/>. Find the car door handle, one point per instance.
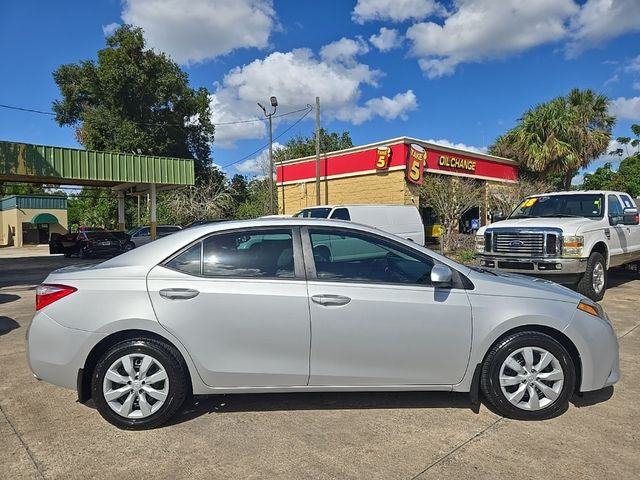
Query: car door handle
<point x="178" y="293"/>
<point x="330" y="300"/>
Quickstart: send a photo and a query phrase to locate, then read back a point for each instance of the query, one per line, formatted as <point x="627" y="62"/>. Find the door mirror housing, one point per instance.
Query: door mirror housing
<point x="441" y="276"/>
<point x="630" y="216"/>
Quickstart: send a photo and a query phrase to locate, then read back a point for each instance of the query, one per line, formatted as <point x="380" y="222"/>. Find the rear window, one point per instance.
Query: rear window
<point x="100" y="236"/>
<point x="341" y="214"/>
<point x="314" y="213"/>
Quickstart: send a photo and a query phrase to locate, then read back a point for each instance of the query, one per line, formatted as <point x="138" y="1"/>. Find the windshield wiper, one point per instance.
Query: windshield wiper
<point x="482" y="270"/>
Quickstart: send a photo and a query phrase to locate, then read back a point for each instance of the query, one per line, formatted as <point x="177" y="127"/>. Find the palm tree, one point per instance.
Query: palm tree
<point x="624" y="141"/>
<point x="560" y="136"/>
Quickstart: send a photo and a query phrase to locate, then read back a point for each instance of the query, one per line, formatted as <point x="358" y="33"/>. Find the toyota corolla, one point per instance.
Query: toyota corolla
<point x="304" y="305"/>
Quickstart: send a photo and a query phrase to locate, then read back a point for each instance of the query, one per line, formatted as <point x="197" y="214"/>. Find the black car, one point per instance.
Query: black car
<point x="86" y="244"/>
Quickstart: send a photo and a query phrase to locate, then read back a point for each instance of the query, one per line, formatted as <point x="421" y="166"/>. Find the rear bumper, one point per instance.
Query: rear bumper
<point x="55" y="353"/>
<point x="561" y="270"/>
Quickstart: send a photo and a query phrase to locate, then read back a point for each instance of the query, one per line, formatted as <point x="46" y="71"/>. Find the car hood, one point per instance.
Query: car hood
<point x="566" y="224"/>
<point x="514" y="285"/>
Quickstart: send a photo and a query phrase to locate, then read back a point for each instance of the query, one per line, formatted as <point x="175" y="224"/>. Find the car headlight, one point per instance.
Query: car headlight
<point x="479" y="243"/>
<point x="572" y="246"/>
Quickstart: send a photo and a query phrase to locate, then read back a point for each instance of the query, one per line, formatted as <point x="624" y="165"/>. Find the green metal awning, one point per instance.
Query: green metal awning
<point x="23" y="162"/>
<point x="44" y="218"/>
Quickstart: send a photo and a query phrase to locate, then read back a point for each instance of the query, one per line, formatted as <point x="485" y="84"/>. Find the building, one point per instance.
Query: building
<point x="30" y="219"/>
<point x="387" y="172"/>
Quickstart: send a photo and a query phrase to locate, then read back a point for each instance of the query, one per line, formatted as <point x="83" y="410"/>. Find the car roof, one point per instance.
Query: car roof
<point x="580" y="192"/>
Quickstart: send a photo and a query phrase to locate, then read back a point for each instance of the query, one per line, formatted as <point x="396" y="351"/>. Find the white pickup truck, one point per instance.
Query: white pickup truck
<point x="571" y="238"/>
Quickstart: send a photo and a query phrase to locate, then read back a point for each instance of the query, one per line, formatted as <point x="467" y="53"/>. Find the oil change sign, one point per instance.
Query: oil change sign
<point x="416" y="159"/>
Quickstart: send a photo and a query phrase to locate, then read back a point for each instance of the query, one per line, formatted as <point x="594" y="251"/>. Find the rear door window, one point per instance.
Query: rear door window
<point x="189" y="261"/>
<point x="253" y="253"/>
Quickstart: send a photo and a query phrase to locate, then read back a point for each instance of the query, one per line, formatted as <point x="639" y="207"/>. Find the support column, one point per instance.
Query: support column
<point x="121" y="219"/>
<point x="153" y="212"/>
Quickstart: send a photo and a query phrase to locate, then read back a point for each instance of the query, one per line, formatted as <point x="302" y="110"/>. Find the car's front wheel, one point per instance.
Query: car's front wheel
<point x="129" y="246"/>
<point x="139" y="384"/>
<point x="528" y="376"/>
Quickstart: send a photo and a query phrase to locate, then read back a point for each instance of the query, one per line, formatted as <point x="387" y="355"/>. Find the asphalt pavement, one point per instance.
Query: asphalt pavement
<point x="45" y="433"/>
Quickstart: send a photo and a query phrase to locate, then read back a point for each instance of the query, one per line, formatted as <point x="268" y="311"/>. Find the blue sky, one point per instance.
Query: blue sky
<point x="460" y="72"/>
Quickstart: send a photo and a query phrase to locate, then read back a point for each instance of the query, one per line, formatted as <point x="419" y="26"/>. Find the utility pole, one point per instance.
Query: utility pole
<point x="274" y="104"/>
<point x="317" y="150"/>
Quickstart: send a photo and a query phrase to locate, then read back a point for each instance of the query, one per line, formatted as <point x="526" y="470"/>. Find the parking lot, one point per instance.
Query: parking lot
<point x="45" y="433"/>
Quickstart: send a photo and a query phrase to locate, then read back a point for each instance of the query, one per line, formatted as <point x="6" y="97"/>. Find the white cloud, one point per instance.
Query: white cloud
<point x="395" y="10"/>
<point x="344" y="51"/>
<point x="625" y="108"/>
<point x="110" y="29"/>
<point x="296" y="78"/>
<point x="258" y="165"/>
<point x="484" y="29"/>
<point x="385" y="107"/>
<point x="634" y="65"/>
<point x="601" y="20"/>
<point x="446" y="143"/>
<point x="192" y="31"/>
<point x="386" y="40"/>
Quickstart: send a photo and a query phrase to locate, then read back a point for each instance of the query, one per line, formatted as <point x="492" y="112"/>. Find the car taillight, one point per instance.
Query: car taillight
<point x="48" y="293"/>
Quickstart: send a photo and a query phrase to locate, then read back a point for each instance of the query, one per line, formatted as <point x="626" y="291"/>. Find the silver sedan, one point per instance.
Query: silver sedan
<point x="282" y="305"/>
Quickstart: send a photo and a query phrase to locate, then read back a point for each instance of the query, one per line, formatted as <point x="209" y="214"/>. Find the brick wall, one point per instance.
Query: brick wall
<point x="380" y="188"/>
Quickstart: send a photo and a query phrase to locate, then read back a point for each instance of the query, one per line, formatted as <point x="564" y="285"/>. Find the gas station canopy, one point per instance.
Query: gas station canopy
<point x="22" y="162"/>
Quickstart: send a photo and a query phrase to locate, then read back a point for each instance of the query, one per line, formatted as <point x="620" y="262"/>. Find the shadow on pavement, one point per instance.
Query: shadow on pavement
<point x="7" y="324"/>
<point x="620" y="276"/>
<point x="588" y="399"/>
<point x="8" y="298"/>
<point x="33" y="270"/>
<point x="269" y="402"/>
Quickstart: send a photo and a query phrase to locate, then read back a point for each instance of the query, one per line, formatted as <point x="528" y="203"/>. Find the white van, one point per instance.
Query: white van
<point x="401" y="220"/>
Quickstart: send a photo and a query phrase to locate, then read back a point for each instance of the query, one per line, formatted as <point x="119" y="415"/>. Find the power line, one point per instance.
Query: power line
<point x="235" y="122"/>
<point x="275" y="138"/>
<point x="11" y="107"/>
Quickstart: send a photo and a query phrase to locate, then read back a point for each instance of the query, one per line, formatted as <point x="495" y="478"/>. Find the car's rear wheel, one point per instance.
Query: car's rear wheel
<point x="139" y="384"/>
<point x="528" y="376"/>
<point x="129" y="246"/>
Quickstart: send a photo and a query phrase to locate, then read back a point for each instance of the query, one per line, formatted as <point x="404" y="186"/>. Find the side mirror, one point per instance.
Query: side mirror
<point x="630" y="216"/>
<point x="441" y="276"/>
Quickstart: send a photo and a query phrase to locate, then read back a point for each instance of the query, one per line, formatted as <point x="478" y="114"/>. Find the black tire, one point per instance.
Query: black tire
<point x="129" y="246"/>
<point x="176" y="371"/>
<point x="490" y="376"/>
<point x="82" y="253"/>
<point x="67" y="255"/>
<point x="585" y="285"/>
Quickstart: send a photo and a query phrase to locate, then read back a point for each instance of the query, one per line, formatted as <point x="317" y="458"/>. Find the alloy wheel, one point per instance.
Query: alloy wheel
<point x="136" y="386"/>
<point x="598" y="278"/>
<point x="531" y="378"/>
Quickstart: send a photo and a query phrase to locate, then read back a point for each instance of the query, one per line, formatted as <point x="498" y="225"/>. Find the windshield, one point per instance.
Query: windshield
<point x="580" y="205"/>
<point x="313" y="213"/>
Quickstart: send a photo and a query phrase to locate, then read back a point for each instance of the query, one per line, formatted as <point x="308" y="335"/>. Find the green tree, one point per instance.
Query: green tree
<point x="256" y="203"/>
<point x="133" y="99"/>
<point x="300" y="146"/>
<point x="560" y="136"/>
<point x="629" y="175"/>
<point x="602" y="179"/>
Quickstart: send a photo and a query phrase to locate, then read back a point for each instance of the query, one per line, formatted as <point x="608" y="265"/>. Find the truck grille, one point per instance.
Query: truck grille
<point x="531" y="244"/>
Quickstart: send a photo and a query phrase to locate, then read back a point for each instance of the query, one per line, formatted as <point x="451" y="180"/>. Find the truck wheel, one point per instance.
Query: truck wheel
<point x="593" y="283"/>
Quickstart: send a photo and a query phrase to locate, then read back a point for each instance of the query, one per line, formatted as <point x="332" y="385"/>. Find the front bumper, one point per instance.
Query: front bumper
<point x="534" y="266"/>
<point x="597" y="345"/>
<point x="55" y="353"/>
